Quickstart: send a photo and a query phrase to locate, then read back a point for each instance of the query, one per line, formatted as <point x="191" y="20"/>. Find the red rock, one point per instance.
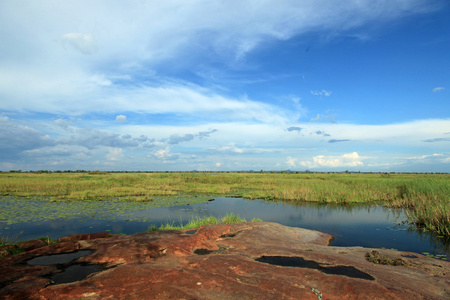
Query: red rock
<point x="225" y="261"/>
<point x="6" y="250"/>
<point x="79" y="237"/>
<point x="31" y="245"/>
<point x="8" y="247"/>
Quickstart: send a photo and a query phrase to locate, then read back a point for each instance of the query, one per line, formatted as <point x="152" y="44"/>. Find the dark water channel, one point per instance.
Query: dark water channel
<point x="363" y="225"/>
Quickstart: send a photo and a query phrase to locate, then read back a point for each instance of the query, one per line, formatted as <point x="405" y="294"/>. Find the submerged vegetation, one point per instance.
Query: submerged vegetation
<point x="426" y="196"/>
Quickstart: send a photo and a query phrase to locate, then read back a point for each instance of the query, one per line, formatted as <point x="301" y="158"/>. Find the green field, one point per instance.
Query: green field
<point x="426" y="196"/>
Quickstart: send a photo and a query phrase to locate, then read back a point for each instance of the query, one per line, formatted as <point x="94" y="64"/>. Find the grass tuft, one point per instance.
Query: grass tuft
<point x="197" y="222"/>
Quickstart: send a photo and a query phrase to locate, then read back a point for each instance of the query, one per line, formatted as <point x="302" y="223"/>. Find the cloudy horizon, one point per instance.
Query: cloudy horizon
<point x="225" y="86"/>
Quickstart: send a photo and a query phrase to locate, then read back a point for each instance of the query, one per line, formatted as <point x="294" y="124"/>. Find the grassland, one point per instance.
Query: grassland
<point x="426" y="196"/>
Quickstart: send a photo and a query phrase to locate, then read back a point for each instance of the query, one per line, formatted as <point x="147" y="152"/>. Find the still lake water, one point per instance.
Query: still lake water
<point x="363" y="225"/>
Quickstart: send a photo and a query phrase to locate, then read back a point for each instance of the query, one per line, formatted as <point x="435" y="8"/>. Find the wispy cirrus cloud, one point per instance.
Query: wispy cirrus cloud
<point x="149" y="35"/>
<point x="437" y="140"/>
<point x="438" y="89"/>
<point x="332" y="141"/>
<point x="321" y="93"/>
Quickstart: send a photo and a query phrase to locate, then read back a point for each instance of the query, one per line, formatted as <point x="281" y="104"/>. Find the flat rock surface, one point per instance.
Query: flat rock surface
<point x="255" y="260"/>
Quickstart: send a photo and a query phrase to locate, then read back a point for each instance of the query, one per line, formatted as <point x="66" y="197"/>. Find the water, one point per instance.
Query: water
<point x="364" y="225"/>
<point x="69" y="272"/>
<point x="298" y="262"/>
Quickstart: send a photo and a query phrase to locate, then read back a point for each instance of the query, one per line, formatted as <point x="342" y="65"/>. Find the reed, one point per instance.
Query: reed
<point x="426" y="196"/>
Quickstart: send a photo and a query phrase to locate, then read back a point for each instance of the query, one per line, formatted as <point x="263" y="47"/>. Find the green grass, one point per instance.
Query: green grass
<point x="197" y="222"/>
<point x="426" y="196"/>
<point x="6" y="241"/>
<point x="428" y="204"/>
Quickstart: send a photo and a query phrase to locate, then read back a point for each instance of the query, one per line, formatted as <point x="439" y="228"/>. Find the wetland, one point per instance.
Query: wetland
<point x="368" y="210"/>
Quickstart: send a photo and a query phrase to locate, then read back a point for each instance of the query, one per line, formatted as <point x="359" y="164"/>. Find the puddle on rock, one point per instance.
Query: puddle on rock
<point x="57" y="259"/>
<point x="286" y="261"/>
<point x="203" y="251"/>
<point x="69" y="273"/>
<point x="190" y="231"/>
<point x="75" y="273"/>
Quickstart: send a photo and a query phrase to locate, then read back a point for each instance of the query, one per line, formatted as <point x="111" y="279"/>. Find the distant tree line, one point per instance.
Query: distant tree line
<point x="384" y="174"/>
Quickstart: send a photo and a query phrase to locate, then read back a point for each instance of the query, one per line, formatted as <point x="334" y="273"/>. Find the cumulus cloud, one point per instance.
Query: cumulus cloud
<point x="114" y="154"/>
<point x="291" y="162"/>
<point x="164" y="154"/>
<point x="438" y="89"/>
<point x="121" y="118"/>
<point x="345" y="160"/>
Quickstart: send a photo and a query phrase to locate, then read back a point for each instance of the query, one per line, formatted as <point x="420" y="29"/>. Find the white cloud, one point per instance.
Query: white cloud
<point x="291" y="162"/>
<point x="57" y="151"/>
<point x="321" y="117"/>
<point x="121" y="118"/>
<point x="438" y="89"/>
<point x="84" y="43"/>
<point x="88" y="58"/>
<point x="321" y="93"/>
<point x="114" y="154"/>
<point x="345" y="160"/>
<point x="17" y="138"/>
<point x="233" y="150"/>
<point x="163" y="154"/>
<point x="134" y="39"/>
<point x="100" y="79"/>
<point x="294" y="128"/>
<point x="440" y="157"/>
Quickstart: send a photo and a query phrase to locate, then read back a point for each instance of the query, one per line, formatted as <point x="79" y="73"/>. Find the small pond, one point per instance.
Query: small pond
<point x="363" y="225"/>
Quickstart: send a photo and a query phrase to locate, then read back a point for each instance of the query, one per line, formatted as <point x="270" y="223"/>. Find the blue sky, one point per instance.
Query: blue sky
<point x="225" y="85"/>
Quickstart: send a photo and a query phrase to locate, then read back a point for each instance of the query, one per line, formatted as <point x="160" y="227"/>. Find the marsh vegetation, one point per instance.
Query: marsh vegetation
<point x="425" y="196"/>
<point x="197" y="222"/>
